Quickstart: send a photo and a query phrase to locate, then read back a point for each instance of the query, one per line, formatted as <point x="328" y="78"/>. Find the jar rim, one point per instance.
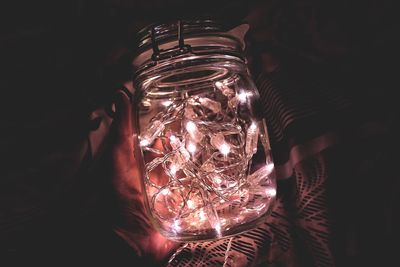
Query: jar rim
<point x="194" y="32"/>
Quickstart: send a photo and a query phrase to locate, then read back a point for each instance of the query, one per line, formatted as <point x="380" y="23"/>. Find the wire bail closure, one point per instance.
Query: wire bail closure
<point x="181" y="48"/>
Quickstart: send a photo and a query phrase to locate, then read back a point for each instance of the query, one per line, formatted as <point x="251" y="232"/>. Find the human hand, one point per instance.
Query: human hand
<point x="133" y="224"/>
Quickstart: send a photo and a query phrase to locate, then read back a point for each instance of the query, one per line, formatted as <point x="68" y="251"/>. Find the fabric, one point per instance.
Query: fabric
<point x="310" y="124"/>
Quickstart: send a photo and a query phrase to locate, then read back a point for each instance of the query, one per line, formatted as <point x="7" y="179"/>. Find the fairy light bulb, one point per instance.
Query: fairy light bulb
<point x="191" y="148"/>
<point x="242" y="96"/>
<point x="202" y="215"/>
<point x="176" y="226"/>
<point x="271" y="192"/>
<point x="190" y="204"/>
<point x="224" y="149"/>
<point x="151" y="133"/>
<point x="269" y="167"/>
<point x="194" y="132"/>
<point x="218" y="229"/>
<point x="252" y="139"/>
<point x="166" y="103"/>
<point x="165" y="192"/>
<point x="218" y="141"/>
<point x="191" y="126"/>
<point x="214" y="106"/>
<point x="173" y="169"/>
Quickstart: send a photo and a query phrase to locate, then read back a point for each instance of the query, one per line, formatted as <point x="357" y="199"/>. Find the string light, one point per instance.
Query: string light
<point x="211" y="147"/>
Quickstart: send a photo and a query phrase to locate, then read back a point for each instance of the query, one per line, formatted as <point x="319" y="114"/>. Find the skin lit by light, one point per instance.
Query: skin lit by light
<point x="191" y="148"/>
<point x="225" y="149"/>
<point x="190" y="126"/>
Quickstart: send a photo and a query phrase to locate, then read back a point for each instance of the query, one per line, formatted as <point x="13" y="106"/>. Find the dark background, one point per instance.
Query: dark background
<point x="58" y="63"/>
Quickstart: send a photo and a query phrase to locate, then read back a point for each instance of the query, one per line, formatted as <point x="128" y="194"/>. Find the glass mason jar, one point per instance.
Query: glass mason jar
<point x="206" y="163"/>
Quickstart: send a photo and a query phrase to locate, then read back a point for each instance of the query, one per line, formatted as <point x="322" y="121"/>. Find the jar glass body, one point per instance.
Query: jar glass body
<point x="206" y="164"/>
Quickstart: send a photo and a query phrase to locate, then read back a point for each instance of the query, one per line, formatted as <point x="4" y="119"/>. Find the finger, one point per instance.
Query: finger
<point x="123" y="115"/>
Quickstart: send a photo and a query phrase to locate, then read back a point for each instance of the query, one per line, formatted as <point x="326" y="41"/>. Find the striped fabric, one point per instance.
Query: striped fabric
<point x="306" y="119"/>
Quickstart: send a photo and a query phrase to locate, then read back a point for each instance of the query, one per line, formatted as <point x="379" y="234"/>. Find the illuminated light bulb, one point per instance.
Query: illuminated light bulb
<point x="218" y="84"/>
<point x="242" y="96"/>
<point x="253" y="126"/>
<point x="261" y="174"/>
<point x="176" y="227"/>
<point x="194" y="132"/>
<point x="269" y="167"/>
<point x="191" y="148"/>
<point x="217" y="179"/>
<point x="225" y="149"/>
<point x="191" y="126"/>
<point x="202" y="215"/>
<point x="217" y="228"/>
<point x="218" y="141"/>
<point x="252" y="139"/>
<point x="166" y="103"/>
<point x="185" y="156"/>
<point x="144" y="142"/>
<point x="173" y="169"/>
<point x="165" y="192"/>
<point x="190" y="204"/>
<point x="214" y="106"/>
<point x="151" y="133"/>
<point x="174" y="142"/>
<point x="270" y="192"/>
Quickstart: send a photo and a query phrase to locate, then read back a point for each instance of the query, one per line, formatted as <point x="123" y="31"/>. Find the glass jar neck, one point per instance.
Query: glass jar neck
<point x="160" y="42"/>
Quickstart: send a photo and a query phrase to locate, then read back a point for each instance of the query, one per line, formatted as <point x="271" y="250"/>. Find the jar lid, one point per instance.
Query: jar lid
<point x="160" y="41"/>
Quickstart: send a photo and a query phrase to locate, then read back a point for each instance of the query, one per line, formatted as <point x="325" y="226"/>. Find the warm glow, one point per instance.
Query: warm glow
<point x="269" y="167"/>
<point x="217" y="179"/>
<point x="224" y="149"/>
<point x="144" y="142"/>
<point x="173" y="138"/>
<point x="253" y="126"/>
<point x="176" y="226"/>
<point x="218" y="84"/>
<point x="165" y="192"/>
<point x="218" y="229"/>
<point x="242" y="96"/>
<point x="173" y="169"/>
<point x="191" y="126"/>
<point x="167" y="103"/>
<point x="202" y="215"/>
<point x="190" y="204"/>
<point x="191" y="148"/>
<point x="271" y="192"/>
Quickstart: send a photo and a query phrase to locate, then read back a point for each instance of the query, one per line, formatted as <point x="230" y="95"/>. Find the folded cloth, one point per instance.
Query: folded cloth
<point x="320" y="136"/>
